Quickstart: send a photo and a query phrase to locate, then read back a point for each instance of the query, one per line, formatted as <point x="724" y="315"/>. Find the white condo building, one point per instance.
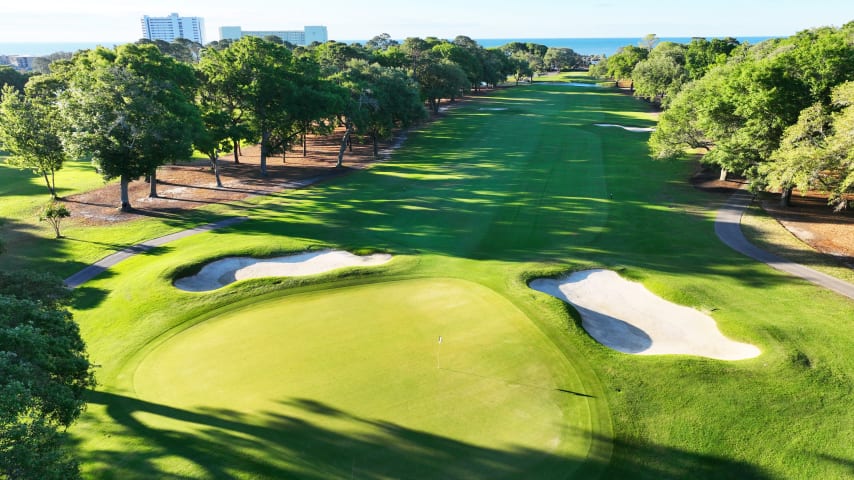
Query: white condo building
<point x="172" y="27"/>
<point x="309" y="35"/>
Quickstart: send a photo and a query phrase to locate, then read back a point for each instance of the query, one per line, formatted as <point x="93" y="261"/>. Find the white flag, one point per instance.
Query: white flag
<point x="440" y="339"/>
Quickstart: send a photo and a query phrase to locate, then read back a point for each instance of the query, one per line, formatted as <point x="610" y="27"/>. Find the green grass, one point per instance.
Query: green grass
<point x="489" y="198"/>
<point x="380" y="395"/>
<point x="30" y="243"/>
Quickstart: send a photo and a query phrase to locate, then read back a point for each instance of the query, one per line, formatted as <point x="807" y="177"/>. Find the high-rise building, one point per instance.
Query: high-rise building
<point x="308" y="36"/>
<point x="172" y="27"/>
<point x="315" y="33"/>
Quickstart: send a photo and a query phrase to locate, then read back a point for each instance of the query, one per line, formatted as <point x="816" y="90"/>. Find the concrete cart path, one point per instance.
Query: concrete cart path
<point x="96" y="268"/>
<point x="728" y="229"/>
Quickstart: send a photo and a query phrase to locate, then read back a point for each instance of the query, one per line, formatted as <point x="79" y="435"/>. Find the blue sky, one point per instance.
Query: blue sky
<point x="118" y="20"/>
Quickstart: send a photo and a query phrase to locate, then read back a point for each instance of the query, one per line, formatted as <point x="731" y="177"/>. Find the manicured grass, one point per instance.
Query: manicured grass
<point x="369" y="390"/>
<point x="490" y="198"/>
<point x="23" y="194"/>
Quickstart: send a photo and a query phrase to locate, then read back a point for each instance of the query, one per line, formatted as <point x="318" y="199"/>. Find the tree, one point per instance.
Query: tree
<point x="561" y="59"/>
<point x="258" y="81"/>
<point x="29" y="132"/>
<point x="45" y="374"/>
<point x="381" y="42"/>
<point x="10" y="76"/>
<point x="702" y="54"/>
<point x="390" y="100"/>
<point x="317" y="101"/>
<point x="649" y="41"/>
<point x="220" y="90"/>
<point x="621" y="64"/>
<point x="683" y="125"/>
<point x="42" y="64"/>
<point x="333" y="56"/>
<point x="743" y="107"/>
<point x="181" y="49"/>
<point x="496" y="66"/>
<point x="53" y="213"/>
<point x="817" y="152"/>
<point x="660" y="77"/>
<point x="463" y="58"/>
<point x="130" y="111"/>
<point x="558" y="59"/>
<point x="439" y="79"/>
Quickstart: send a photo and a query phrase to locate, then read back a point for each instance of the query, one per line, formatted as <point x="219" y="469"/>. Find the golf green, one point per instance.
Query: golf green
<point x="371" y="388"/>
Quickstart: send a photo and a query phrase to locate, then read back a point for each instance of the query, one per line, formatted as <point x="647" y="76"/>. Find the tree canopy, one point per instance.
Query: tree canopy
<point x="45" y="372"/>
<point x="30" y="132"/>
<point x="130" y="110"/>
<point x="767" y="110"/>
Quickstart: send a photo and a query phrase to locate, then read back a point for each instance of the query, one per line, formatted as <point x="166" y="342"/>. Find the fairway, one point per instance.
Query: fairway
<point x="341" y="375"/>
<point x="361" y="388"/>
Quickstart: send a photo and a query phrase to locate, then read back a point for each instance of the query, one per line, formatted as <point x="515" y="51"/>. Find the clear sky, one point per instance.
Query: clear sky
<point x="119" y="20"/>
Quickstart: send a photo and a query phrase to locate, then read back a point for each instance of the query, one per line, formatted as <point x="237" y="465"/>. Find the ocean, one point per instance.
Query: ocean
<point x="583" y="46"/>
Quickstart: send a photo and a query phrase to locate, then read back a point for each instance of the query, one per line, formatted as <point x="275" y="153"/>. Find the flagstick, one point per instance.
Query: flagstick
<point x="438" y="349"/>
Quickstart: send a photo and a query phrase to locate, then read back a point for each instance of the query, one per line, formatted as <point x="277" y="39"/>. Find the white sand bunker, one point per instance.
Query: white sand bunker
<point x="631" y="129"/>
<point x="493" y="109"/>
<point x="229" y="270"/>
<point x="629" y="318"/>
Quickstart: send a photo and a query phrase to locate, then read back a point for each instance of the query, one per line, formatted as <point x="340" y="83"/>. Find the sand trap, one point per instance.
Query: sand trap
<point x="493" y="109"/>
<point x="629" y="318"/>
<point x="631" y="129"/>
<point x="229" y="270"/>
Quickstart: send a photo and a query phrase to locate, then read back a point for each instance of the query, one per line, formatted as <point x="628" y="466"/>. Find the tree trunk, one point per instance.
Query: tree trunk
<point x="265" y="140"/>
<point x="344" y="141"/>
<point x="236" y="151"/>
<point x="724" y="174"/>
<point x="376" y="147"/>
<point x="786" y="196"/>
<point x="304" y="145"/>
<point x="215" y="165"/>
<point x="152" y="187"/>
<point x="125" y="197"/>
<point x="51" y="188"/>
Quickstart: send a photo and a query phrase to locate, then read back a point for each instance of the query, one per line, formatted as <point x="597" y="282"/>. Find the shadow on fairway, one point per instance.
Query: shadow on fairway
<point x="227" y="445"/>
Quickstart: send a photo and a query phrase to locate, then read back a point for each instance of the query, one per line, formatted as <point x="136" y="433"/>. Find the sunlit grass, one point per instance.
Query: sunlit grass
<point x="494" y="200"/>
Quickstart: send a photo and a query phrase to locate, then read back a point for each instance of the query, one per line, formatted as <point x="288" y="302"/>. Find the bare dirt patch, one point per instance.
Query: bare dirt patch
<point x="187" y="186"/>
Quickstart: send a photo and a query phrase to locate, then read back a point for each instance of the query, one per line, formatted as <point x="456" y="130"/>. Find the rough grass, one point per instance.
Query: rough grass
<point x="495" y="197"/>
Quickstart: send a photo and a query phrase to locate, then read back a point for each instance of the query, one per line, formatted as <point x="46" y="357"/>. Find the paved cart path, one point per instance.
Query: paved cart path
<point x="728" y="229"/>
<point x="96" y="268"/>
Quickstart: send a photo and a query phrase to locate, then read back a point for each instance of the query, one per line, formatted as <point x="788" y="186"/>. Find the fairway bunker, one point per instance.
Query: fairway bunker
<point x="229" y="270"/>
<point x="630" y="129"/>
<point x="629" y="318"/>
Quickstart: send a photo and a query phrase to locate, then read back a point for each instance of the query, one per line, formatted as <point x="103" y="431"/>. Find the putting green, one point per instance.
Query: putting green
<point x="323" y="389"/>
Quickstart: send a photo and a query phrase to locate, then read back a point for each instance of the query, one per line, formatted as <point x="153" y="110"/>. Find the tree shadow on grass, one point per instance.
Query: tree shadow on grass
<point x="230" y="444"/>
